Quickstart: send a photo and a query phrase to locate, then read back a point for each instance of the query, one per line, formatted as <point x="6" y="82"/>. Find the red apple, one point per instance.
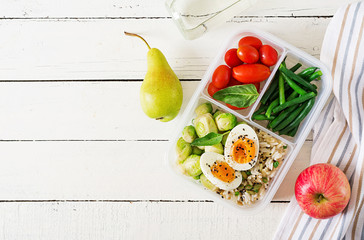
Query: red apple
<point x="322" y="190"/>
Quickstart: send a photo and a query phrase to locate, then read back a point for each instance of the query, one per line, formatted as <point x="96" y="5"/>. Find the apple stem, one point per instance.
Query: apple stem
<point x="320" y="197"/>
<point x="136" y="35"/>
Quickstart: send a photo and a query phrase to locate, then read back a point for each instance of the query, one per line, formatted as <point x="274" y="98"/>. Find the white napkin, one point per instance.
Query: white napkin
<point x="338" y="133"/>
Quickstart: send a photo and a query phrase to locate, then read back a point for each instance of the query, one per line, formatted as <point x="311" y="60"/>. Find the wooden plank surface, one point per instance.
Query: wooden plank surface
<point x="79" y="158"/>
<point x="99" y="170"/>
<point x="97" y="49"/>
<point x="79" y="110"/>
<point x="152" y="8"/>
<point x="117" y="220"/>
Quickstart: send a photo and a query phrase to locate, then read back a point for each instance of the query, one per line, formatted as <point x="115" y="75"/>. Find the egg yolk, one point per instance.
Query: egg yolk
<point x="221" y="170"/>
<point x="243" y="150"/>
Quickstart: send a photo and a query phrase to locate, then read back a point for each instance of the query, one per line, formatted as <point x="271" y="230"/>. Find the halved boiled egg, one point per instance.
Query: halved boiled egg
<point x="242" y="147"/>
<point x="218" y="172"/>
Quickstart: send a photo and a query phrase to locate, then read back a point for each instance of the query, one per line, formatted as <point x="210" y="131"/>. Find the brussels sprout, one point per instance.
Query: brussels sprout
<point x="225" y="121"/>
<point x="197" y="151"/>
<point x="242" y="122"/>
<point x="224" y="138"/>
<point x="205" y="124"/>
<point x="201" y="148"/>
<point x="183" y="149"/>
<point x="217" y="113"/>
<point x="217" y="148"/>
<point x="192" y="165"/>
<point x="203" y="108"/>
<point x="189" y="134"/>
<point x="197" y="177"/>
<point x="207" y="184"/>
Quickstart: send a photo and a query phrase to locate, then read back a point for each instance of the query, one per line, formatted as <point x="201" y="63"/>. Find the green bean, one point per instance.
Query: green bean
<point x="282" y="98"/>
<point x="297" y="78"/>
<point x="315" y="75"/>
<point x="290" y="118"/>
<point x="293" y="85"/>
<point x="308" y="106"/>
<point x="295" y="67"/>
<point x="292" y="96"/>
<point x="295" y="101"/>
<point x="262" y="117"/>
<point x="284" y="132"/>
<point x="276" y="93"/>
<point x="293" y="131"/>
<point x="307" y="72"/>
<point x="272" y="88"/>
<point x="274" y="96"/>
<point x="283" y="114"/>
<point x="273" y="104"/>
<point x="261" y="109"/>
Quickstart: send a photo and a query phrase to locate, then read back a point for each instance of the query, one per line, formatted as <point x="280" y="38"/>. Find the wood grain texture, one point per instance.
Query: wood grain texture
<point x="152" y="8"/>
<point x="97" y="49"/>
<point x="79" y="158"/>
<point x="99" y="110"/>
<point x="99" y="170"/>
<point x="97" y="220"/>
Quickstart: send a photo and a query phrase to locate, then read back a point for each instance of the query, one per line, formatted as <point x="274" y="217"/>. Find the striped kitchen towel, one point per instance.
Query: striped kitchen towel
<point x="338" y="133"/>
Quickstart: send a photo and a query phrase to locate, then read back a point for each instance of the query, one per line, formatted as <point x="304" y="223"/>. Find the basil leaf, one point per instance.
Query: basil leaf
<point x="208" y="140"/>
<point x="239" y="96"/>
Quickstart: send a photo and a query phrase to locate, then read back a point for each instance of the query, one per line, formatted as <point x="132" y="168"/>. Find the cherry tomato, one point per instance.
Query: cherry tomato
<point x="231" y="58"/>
<point x="221" y="76"/>
<point x="211" y="89"/>
<point x="248" y="54"/>
<point x="234" y="82"/>
<point x="234" y="108"/>
<point x="251" y="41"/>
<point x="251" y="73"/>
<point x="268" y="55"/>
<point x="257" y="86"/>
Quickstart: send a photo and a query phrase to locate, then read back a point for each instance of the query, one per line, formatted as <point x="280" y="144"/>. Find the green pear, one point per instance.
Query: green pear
<point x="161" y="92"/>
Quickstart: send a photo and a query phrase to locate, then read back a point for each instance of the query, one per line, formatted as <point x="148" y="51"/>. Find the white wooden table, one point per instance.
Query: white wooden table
<point x="79" y="159"/>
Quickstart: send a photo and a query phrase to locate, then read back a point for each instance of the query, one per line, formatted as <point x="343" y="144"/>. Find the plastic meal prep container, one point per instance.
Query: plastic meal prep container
<point x="294" y="144"/>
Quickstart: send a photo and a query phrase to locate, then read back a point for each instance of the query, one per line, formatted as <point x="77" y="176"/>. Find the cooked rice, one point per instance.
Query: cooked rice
<point x="270" y="150"/>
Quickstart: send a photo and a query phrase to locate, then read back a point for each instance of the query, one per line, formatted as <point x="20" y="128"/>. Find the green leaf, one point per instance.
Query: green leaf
<point x="208" y="140"/>
<point x="239" y="96"/>
<point x="275" y="164"/>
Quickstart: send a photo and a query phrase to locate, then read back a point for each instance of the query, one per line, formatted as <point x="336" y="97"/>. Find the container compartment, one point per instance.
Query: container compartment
<point x="292" y="57"/>
<point x="248" y="209"/>
<point x="233" y="43"/>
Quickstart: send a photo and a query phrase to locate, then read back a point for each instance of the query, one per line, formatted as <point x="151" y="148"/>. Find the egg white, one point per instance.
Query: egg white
<point x="241" y="130"/>
<point x="207" y="160"/>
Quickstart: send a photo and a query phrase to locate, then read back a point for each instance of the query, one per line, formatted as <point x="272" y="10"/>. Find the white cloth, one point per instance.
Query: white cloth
<point x="338" y="133"/>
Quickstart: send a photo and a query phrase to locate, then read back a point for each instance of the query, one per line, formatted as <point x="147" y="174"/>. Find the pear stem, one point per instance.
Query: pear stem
<point x="136" y="35"/>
